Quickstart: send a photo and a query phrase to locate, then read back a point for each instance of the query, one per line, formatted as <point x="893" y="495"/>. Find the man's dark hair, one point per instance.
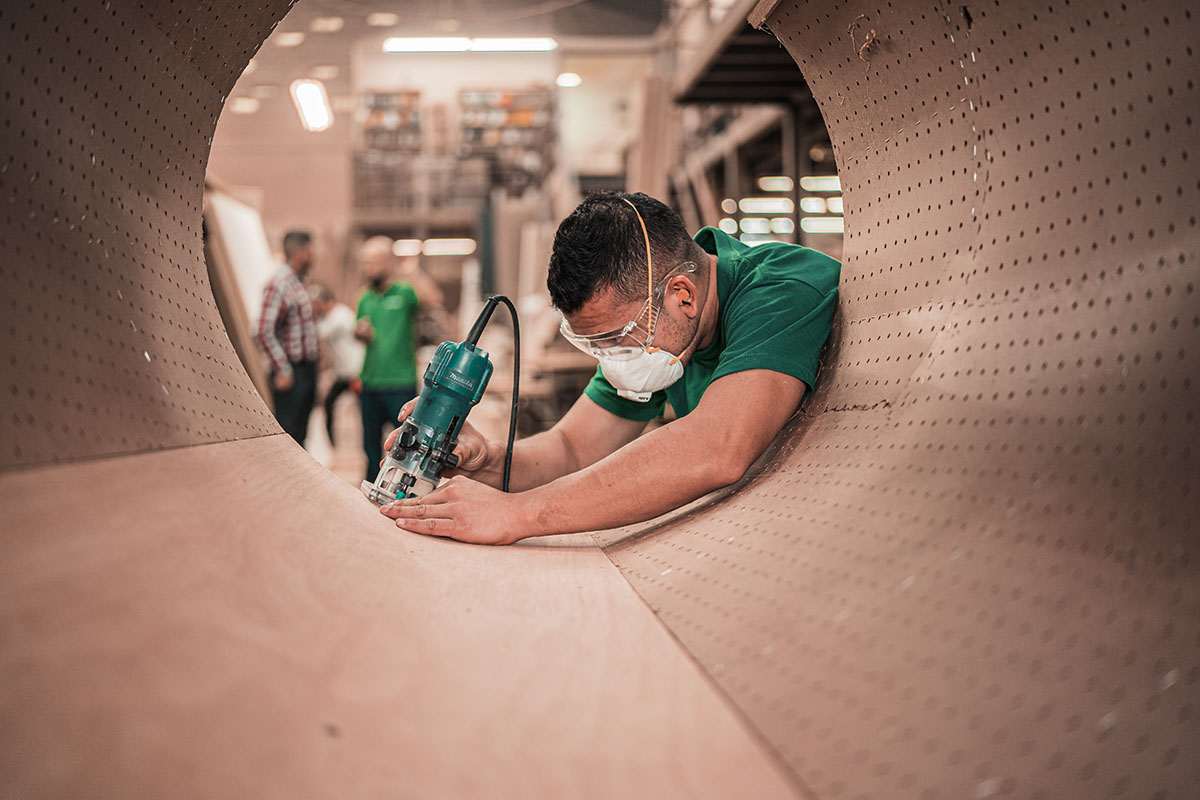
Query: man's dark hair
<point x="294" y="240"/>
<point x="600" y="246"/>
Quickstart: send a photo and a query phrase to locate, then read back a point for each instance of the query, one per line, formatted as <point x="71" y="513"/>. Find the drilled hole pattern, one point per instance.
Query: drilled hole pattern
<point x="111" y="340"/>
<point x="970" y="569"/>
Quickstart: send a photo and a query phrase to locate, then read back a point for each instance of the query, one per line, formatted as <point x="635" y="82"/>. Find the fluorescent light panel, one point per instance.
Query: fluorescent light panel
<point x="813" y="205"/>
<point x="528" y="44"/>
<point x="288" y="39"/>
<point x="568" y="80"/>
<point x="382" y="19"/>
<point x="756" y="225"/>
<point x="244" y="105"/>
<point x="462" y="44"/>
<point x="326" y="24"/>
<point x="823" y="224"/>
<point x="448" y="247"/>
<point x="426" y="44"/>
<point x="312" y="104"/>
<point x="821" y="183"/>
<point x="766" y="205"/>
<point x="775" y="183"/>
<point x="406" y="247"/>
<point x="729" y="225"/>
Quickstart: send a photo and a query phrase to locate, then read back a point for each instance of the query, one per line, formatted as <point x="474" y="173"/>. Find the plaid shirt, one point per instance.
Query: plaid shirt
<point x="287" y="330"/>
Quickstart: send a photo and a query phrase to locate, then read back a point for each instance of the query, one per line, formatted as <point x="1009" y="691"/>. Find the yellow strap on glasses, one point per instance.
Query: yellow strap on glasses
<point x="649" y="269"/>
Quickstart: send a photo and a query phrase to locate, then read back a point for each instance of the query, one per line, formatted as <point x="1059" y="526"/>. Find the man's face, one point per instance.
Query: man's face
<point x="375" y="267"/>
<point x="673" y="327"/>
<point x="303" y="259"/>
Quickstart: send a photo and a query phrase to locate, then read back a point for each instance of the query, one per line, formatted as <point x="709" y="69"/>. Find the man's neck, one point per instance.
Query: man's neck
<point x="712" y="307"/>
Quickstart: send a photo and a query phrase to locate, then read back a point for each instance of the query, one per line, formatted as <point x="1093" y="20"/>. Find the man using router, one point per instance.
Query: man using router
<point x="729" y="334"/>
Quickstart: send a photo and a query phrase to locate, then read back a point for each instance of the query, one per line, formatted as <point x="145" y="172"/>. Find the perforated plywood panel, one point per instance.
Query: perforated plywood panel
<point x="971" y="568"/>
<point x="112" y="342"/>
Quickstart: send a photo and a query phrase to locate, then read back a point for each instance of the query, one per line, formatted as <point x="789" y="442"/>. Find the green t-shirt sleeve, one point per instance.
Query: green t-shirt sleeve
<point x="781" y="322"/>
<point x="410" y="296"/>
<point x="601" y="392"/>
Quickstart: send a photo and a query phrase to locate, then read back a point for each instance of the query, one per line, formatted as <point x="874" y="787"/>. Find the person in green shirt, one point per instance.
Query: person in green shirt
<point x="729" y="335"/>
<point x="387" y="324"/>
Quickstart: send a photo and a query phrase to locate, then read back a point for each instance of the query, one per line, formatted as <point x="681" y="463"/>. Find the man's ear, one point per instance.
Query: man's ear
<point x="682" y="290"/>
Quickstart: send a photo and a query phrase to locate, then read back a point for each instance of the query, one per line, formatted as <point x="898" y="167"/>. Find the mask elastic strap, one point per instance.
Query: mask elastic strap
<point x="649" y="267"/>
<point x="673" y="361"/>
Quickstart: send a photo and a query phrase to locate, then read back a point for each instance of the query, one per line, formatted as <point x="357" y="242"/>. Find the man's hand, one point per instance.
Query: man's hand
<point x="283" y="381"/>
<point x="465" y="510"/>
<point x="363" y="330"/>
<point x="472" y="450"/>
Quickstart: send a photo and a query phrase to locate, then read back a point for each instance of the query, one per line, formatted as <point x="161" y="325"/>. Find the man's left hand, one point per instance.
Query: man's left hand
<point x="465" y="510"/>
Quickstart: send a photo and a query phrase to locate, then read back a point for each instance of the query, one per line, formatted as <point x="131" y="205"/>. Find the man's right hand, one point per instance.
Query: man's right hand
<point x="363" y="331"/>
<point x="283" y="381"/>
<point x="473" y="450"/>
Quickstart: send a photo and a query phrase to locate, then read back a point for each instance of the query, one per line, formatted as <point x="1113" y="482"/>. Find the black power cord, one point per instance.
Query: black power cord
<point x="473" y="337"/>
<point x="512" y="416"/>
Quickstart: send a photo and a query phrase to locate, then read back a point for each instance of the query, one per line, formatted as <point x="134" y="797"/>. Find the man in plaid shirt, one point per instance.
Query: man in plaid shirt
<point x="287" y="333"/>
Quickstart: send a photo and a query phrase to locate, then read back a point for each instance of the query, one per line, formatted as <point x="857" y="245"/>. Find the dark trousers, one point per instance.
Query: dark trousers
<point x="340" y="385"/>
<point x="293" y="406"/>
<point x="380" y="407"/>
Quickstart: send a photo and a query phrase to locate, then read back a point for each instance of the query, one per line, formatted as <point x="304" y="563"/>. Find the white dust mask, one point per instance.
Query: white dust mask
<point x="639" y="376"/>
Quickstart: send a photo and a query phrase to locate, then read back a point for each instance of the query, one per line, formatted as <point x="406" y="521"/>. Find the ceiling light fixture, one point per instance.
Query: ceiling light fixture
<point x="382" y="19"/>
<point x="448" y="247"/>
<point x="529" y="44"/>
<point x="766" y="205"/>
<point x="823" y="225"/>
<point x="326" y="24"/>
<point x="568" y="80"/>
<point x="312" y="104"/>
<point x="426" y="44"/>
<point x="462" y="44"/>
<point x="821" y="183"/>
<point x="406" y="247"/>
<point x="243" y="105"/>
<point x="775" y="183"/>
<point x="288" y="39"/>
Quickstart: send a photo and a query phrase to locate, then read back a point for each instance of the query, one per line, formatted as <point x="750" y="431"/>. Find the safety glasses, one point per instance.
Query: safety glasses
<point x="636" y="335"/>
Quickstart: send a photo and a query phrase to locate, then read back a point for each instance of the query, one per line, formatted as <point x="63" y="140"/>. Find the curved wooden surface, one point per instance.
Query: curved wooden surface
<point x="967" y="570"/>
<point x="231" y="620"/>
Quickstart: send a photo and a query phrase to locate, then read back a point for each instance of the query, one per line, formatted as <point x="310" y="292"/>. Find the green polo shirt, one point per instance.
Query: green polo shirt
<point x="776" y="305"/>
<point x="390" y="361"/>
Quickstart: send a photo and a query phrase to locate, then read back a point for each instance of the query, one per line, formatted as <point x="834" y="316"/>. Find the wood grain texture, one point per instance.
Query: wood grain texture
<point x="231" y="620"/>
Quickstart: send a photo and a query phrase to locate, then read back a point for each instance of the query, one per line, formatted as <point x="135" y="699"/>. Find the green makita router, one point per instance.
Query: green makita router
<point x="453" y="384"/>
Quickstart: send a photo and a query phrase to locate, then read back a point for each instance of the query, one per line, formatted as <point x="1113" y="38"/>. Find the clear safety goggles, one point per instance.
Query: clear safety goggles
<point x="635" y="336"/>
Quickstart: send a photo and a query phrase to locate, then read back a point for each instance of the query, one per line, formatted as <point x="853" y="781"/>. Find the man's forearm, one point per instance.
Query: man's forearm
<point x="664" y="469"/>
<point x="537" y="460"/>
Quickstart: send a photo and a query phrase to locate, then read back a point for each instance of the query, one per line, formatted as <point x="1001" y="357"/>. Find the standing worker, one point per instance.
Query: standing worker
<point x="387" y="324"/>
<point x="287" y="333"/>
<point x="335" y="326"/>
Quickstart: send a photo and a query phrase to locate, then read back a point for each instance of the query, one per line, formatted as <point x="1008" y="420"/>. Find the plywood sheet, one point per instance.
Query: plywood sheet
<point x="232" y="620"/>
